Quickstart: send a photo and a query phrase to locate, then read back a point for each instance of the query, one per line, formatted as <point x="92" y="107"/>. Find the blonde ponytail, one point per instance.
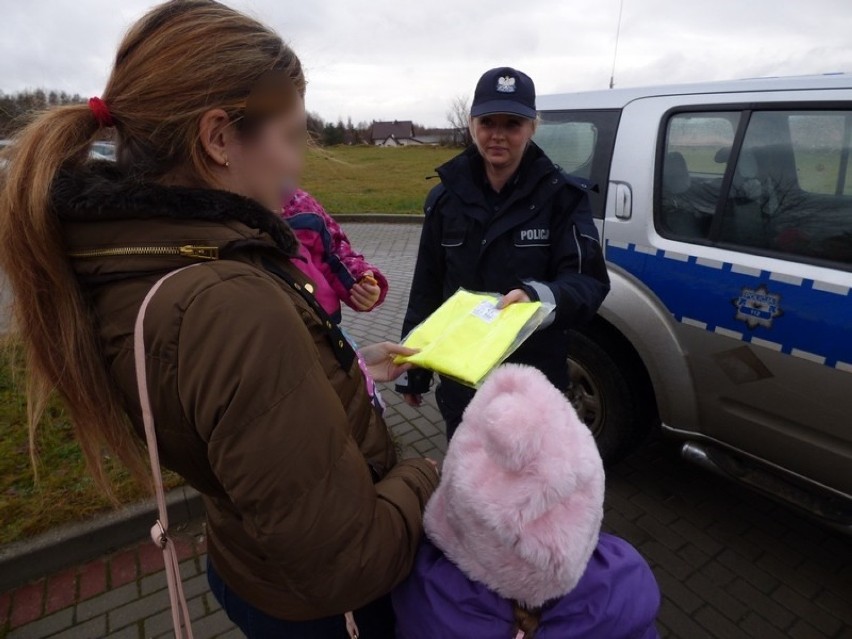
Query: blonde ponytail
<point x="50" y="314"/>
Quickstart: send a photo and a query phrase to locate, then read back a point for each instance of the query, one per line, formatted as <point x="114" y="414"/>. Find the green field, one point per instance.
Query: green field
<point x="365" y="179"/>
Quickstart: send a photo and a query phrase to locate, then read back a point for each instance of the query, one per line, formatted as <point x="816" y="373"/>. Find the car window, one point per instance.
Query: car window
<point x="572" y="145"/>
<point x="791" y="190"/>
<point x="581" y="142"/>
<point x="818" y="141"/>
<point x="696" y="153"/>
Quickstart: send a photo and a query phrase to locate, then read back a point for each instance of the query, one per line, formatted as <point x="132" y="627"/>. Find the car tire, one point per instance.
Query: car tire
<point x="609" y="393"/>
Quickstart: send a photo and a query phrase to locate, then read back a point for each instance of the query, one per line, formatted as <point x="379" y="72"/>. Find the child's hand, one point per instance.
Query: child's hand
<point x="366" y="292"/>
<point x="434" y="465"/>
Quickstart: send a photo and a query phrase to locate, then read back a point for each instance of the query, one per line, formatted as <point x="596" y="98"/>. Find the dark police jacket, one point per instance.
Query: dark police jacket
<point x="537" y="235"/>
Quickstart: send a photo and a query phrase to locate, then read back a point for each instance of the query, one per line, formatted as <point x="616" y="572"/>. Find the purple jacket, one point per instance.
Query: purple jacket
<point x="617" y="598"/>
<point x="328" y="258"/>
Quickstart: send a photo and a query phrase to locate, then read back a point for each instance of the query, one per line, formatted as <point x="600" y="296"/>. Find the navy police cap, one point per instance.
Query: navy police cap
<point x="504" y="90"/>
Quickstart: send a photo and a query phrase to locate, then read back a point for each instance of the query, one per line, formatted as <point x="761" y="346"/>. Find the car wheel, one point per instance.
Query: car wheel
<point x="608" y="396"/>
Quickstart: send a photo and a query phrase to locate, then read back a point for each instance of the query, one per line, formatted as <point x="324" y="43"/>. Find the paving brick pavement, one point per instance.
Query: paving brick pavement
<point x="121" y="596"/>
<point x="730" y="564"/>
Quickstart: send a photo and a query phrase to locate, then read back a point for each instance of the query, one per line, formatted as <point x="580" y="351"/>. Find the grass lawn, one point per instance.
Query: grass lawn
<point x="365" y="179"/>
<point x="64" y="492"/>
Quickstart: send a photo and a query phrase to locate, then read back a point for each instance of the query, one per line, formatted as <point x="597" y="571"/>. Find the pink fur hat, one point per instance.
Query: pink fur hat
<point x="520" y="504"/>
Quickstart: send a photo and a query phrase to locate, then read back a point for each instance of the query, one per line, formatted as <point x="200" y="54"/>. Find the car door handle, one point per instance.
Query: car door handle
<point x="623" y="197"/>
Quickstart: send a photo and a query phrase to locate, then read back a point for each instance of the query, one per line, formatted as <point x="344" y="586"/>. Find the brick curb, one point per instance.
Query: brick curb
<point x="25" y="561"/>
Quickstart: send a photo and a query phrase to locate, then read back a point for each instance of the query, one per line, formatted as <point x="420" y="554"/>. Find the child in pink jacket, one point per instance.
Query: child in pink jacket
<point x="339" y="272"/>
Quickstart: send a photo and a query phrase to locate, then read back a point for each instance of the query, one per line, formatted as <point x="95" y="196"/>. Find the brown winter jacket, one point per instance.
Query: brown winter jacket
<point x="258" y="403"/>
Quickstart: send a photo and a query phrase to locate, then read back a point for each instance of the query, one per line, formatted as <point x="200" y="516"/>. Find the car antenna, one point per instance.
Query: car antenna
<point x="615" y="53"/>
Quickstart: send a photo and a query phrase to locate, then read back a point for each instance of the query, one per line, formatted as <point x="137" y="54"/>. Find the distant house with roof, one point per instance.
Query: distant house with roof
<point x="396" y="133"/>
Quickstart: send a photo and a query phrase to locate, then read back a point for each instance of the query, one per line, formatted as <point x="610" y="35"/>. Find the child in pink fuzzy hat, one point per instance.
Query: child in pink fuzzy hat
<point x="514" y="546"/>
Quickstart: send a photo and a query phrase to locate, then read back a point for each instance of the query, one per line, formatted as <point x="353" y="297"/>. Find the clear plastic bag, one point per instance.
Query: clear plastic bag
<point x="468" y="337"/>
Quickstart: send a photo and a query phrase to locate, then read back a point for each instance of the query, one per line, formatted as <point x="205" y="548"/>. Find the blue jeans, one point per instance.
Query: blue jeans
<point x="375" y="620"/>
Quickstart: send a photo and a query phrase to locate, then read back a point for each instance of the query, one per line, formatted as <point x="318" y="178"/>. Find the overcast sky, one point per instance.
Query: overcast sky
<point x="386" y="59"/>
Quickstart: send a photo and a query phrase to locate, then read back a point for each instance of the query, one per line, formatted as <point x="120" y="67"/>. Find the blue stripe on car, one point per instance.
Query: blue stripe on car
<point x="813" y="324"/>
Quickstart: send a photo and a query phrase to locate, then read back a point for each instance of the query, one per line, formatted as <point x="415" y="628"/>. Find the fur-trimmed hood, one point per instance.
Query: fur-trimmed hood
<point x="101" y="192"/>
<point x="520" y="504"/>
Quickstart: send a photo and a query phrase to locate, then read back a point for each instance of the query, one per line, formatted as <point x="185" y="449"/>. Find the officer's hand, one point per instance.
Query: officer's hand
<point x="413" y="400"/>
<point x="513" y="297"/>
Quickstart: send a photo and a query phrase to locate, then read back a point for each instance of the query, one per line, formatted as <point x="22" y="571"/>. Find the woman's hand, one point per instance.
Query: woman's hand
<point x="379" y="359"/>
<point x="513" y="297"/>
<point x="365" y="293"/>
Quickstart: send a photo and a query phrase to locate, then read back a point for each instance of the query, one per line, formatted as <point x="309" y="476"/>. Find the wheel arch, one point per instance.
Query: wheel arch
<point x="636" y="322"/>
<point x="613" y="341"/>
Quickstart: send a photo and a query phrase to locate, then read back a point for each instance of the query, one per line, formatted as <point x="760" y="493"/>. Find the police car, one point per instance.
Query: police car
<point x="725" y="214"/>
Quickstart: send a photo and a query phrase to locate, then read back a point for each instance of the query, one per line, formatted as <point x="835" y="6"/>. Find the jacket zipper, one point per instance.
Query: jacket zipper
<point x="189" y="250"/>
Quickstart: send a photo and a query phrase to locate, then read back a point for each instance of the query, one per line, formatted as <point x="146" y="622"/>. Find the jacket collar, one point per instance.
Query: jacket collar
<point x="463" y="175"/>
<point x="100" y="192"/>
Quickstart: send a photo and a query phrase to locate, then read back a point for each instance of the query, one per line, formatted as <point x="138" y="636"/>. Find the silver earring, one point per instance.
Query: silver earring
<point x="227" y="164"/>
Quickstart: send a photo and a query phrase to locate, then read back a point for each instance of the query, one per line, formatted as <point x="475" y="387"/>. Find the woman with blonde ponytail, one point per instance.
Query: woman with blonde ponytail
<point x="258" y="400"/>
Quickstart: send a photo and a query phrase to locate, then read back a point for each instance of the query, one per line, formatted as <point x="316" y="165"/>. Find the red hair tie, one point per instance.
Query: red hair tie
<point x="101" y="112"/>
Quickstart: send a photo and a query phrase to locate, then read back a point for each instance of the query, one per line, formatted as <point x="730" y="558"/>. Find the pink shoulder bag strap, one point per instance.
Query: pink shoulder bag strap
<point x="160" y="530"/>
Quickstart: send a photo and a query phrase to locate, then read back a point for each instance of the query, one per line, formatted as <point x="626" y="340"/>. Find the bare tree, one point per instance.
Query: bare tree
<point x="458" y="117"/>
<point x="16" y="108"/>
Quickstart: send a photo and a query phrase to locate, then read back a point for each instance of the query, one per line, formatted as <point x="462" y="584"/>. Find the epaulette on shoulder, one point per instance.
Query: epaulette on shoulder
<point x="433" y="198"/>
<point x="577" y="182"/>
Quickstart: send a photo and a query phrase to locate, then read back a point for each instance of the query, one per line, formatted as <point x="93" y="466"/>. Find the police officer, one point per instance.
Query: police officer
<point x="505" y="219"/>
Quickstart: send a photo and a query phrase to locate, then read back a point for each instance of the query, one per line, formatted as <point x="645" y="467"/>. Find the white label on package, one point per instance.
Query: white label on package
<point x="486" y="311"/>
